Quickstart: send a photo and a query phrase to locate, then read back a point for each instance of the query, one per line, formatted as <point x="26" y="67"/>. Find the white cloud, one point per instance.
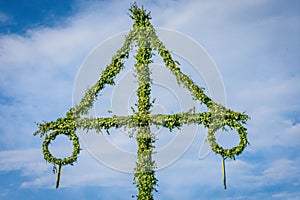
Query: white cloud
<point x="291" y="134"/>
<point x="278" y="171"/>
<point x="287" y="195"/>
<point x="29" y="161"/>
<point x="249" y="177"/>
<point x="87" y="172"/>
<point x="282" y="171"/>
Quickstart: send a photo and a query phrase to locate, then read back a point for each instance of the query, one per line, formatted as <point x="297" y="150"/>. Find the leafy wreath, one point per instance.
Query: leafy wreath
<point x="60" y="161"/>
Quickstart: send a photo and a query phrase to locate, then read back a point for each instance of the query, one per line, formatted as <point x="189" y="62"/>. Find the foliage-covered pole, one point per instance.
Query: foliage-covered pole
<point x="144" y="176"/>
<point x="144" y="171"/>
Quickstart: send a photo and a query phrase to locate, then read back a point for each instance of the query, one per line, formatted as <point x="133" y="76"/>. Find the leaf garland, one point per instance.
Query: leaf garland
<point x="144" y="37"/>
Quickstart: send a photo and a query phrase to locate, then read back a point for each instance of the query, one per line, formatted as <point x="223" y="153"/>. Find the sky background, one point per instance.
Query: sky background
<point x="255" y="45"/>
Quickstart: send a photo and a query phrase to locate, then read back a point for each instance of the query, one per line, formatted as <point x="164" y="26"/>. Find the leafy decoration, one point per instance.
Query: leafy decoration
<point x="57" y="161"/>
<point x="144" y="37"/>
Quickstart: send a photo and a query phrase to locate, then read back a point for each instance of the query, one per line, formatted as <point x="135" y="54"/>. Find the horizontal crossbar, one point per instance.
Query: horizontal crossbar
<point x="170" y="121"/>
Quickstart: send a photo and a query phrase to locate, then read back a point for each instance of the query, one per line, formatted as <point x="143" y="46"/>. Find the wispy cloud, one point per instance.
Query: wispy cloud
<point x="3" y="18"/>
<point x="282" y="171"/>
<point x="286" y="195"/>
<point x="87" y="172"/>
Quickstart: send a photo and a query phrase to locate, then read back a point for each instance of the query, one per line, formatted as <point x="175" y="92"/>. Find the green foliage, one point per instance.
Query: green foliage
<point x="144" y="37"/>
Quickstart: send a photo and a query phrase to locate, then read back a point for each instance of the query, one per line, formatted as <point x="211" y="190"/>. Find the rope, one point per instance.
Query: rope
<point x="224" y="172"/>
<point x="58" y="176"/>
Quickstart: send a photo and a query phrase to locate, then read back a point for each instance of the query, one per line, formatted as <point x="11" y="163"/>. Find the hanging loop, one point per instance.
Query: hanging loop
<point x="61" y="161"/>
<point x="234" y="151"/>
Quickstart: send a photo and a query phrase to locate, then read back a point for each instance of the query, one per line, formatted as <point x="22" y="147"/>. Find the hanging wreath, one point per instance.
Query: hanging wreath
<point x="227" y="153"/>
<point x="234" y="151"/>
<point x="60" y="161"/>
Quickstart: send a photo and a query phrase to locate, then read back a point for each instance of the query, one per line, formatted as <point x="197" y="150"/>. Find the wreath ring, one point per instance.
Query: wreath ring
<point x="234" y="151"/>
<point x="61" y="161"/>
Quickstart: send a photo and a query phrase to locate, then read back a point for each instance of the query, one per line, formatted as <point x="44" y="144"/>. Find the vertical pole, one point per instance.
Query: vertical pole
<point x="144" y="176"/>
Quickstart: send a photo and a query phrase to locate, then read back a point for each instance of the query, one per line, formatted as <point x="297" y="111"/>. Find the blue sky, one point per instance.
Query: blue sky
<point x="255" y="45"/>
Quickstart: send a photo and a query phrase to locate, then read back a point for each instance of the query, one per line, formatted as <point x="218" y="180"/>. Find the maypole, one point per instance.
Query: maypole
<point x="143" y="36"/>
